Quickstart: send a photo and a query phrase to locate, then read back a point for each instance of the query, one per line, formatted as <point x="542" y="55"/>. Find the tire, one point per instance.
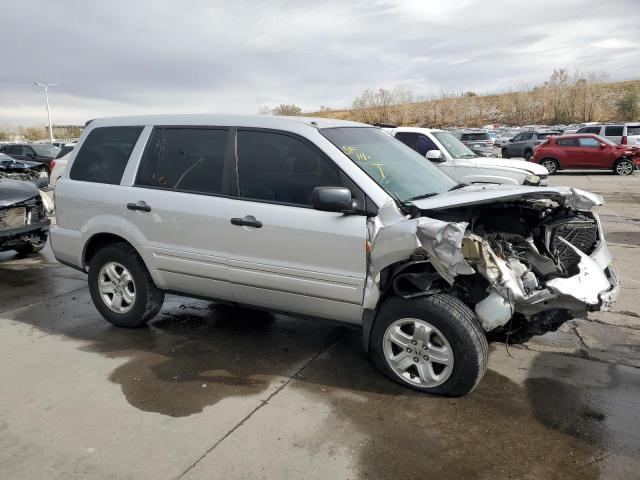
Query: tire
<point x="623" y="167"/>
<point x="145" y="298"/>
<point x="504" y="153"/>
<point x="28" y="248"/>
<point x="450" y="319"/>
<point x="528" y="155"/>
<point x="551" y="164"/>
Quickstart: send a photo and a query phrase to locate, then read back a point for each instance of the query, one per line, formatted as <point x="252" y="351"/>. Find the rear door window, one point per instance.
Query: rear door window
<point x="613" y="131"/>
<point x="184" y="159"/>
<point x="568" y="142"/>
<point x="279" y="168"/>
<point x="104" y="154"/>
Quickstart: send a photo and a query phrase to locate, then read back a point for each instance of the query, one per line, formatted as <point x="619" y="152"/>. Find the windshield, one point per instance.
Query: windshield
<point x="399" y="170"/>
<point x="45" y="150"/>
<point x="451" y="144"/>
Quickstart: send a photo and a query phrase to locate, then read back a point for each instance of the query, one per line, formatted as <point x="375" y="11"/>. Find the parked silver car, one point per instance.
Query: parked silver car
<point x="326" y="219"/>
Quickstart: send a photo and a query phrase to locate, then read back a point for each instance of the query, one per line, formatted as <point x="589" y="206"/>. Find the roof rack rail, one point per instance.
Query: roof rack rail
<point x="385" y="125"/>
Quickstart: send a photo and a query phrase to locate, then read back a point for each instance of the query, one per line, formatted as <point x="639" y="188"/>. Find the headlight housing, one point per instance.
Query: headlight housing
<point x="532" y="180"/>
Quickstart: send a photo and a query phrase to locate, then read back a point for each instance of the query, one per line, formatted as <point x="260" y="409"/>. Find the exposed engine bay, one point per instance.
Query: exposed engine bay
<point x="524" y="265"/>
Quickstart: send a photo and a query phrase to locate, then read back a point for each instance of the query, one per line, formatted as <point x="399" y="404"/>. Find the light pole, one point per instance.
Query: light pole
<point x="46" y="96"/>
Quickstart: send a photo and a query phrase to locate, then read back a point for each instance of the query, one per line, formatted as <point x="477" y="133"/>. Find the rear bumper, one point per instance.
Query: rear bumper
<point x="67" y="246"/>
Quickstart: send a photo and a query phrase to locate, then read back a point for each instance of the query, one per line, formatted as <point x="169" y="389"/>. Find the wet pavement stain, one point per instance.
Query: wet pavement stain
<point x="502" y="430"/>
<point x="193" y="355"/>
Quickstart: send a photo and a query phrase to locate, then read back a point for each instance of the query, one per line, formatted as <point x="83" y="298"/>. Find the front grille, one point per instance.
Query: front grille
<point x="581" y="232"/>
<point x="13" y="218"/>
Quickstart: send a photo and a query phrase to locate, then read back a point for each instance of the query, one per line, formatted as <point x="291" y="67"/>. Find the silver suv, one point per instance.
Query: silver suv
<point x="332" y="220"/>
<point x="621" y="133"/>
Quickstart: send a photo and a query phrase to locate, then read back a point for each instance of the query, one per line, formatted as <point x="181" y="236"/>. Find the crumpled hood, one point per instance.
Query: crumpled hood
<point x="18" y="165"/>
<point x="505" y="164"/>
<point x="490" y="193"/>
<point x="14" y="191"/>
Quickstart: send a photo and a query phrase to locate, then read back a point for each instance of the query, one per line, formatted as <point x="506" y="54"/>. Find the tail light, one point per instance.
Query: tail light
<point x="623" y="141"/>
<point x="52" y="165"/>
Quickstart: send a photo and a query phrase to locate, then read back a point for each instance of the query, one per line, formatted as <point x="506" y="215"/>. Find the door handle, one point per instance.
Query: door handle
<point x="141" y="206"/>
<point x="241" y="222"/>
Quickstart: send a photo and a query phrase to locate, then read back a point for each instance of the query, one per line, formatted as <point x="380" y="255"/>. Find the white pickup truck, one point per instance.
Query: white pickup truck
<point x="459" y="162"/>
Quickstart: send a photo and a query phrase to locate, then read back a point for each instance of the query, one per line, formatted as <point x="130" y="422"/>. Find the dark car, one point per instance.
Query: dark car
<point x="22" y="170"/>
<point x="586" y="151"/>
<point x="24" y="225"/>
<point x="34" y="152"/>
<point x="525" y="143"/>
<point x="479" y="142"/>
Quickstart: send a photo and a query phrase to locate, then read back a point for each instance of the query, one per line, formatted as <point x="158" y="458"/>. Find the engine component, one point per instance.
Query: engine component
<point x="494" y="311"/>
<point x="579" y="230"/>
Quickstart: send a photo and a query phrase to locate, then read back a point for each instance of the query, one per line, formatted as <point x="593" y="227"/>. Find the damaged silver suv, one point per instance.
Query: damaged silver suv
<point x="331" y="220"/>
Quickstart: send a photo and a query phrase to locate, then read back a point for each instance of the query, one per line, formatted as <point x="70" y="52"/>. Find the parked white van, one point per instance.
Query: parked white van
<point x="328" y="220"/>
<point x="458" y="161"/>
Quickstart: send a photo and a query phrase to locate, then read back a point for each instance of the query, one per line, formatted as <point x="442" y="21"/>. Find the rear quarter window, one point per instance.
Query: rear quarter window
<point x="633" y="130"/>
<point x="104" y="154"/>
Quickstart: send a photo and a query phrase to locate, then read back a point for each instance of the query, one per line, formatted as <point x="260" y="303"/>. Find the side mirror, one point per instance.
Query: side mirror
<point x="332" y="199"/>
<point x="602" y="145"/>
<point x="511" y="140"/>
<point x="435" y="156"/>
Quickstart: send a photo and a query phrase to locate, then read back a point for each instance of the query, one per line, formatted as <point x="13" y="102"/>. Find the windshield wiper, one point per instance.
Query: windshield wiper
<point x="468" y="155"/>
<point x="420" y="197"/>
<point x="456" y="187"/>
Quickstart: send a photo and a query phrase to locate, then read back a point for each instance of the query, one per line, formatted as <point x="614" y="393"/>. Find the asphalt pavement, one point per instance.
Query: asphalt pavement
<point x="215" y="392"/>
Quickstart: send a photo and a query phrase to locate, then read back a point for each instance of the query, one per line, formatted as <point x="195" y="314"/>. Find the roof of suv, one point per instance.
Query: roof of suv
<point x="259" y="121"/>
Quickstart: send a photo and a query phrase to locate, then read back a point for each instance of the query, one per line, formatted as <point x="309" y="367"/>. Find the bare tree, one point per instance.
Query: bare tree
<point x="287" y="110"/>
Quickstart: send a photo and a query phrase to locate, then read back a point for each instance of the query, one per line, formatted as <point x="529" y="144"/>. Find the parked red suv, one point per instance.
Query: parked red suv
<point x="586" y="151"/>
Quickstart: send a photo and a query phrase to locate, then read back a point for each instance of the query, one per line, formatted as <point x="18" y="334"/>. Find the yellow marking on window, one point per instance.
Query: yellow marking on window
<point x="379" y="165"/>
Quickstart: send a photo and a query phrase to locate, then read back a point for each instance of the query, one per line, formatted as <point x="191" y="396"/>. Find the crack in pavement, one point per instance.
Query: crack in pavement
<point x="262" y="404"/>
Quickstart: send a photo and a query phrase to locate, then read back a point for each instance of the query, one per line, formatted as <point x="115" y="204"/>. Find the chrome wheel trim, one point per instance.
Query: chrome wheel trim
<point x="418" y="352"/>
<point x="624" y="168"/>
<point x="116" y="287"/>
<point x="549" y="165"/>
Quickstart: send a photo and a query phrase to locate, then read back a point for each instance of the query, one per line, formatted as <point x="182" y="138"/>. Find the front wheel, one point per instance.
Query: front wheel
<point x="505" y="153"/>
<point x="623" y="167"/>
<point x="122" y="288"/>
<point x="433" y="344"/>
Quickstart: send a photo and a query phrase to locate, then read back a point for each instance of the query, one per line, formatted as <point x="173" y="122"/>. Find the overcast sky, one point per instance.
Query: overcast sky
<point x="199" y="56"/>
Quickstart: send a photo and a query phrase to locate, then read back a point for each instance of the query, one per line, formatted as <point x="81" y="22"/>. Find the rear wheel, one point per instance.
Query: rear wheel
<point x="122" y="288"/>
<point x="432" y="344"/>
<point x="623" y="167"/>
<point x="551" y="164"/>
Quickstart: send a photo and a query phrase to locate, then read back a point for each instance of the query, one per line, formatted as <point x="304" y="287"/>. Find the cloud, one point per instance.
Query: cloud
<point x="122" y="57"/>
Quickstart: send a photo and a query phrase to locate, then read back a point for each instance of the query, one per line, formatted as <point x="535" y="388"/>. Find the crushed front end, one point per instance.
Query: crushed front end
<point x="524" y="262"/>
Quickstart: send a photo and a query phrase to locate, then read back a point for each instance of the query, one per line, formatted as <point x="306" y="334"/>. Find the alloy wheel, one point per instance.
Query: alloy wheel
<point x="418" y="352"/>
<point x="550" y="165"/>
<point x="624" y="167"/>
<point x="116" y="287"/>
